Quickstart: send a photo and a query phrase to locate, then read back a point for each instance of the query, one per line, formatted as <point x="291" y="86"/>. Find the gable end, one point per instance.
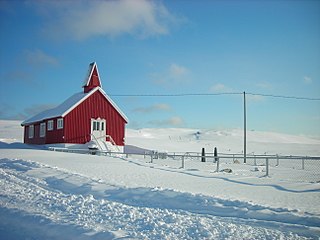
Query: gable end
<point x="92" y="79"/>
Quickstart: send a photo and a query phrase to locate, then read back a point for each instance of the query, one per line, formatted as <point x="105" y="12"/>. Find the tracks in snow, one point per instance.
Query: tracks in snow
<point x="96" y="210"/>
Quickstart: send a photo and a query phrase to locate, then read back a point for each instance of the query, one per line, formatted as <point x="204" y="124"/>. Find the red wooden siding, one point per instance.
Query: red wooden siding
<point x="53" y="136"/>
<point x="36" y="135"/>
<point x="77" y="123"/>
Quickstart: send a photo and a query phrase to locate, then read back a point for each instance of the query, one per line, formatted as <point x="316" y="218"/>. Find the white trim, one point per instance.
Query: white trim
<point x="105" y="95"/>
<point x="60" y="123"/>
<point x="114" y="105"/>
<point x="50" y="125"/>
<point x="42" y="131"/>
<point x="79" y="102"/>
<point x="90" y="71"/>
<point x="84" y="96"/>
<point x="31" y="133"/>
<point x="98" y="128"/>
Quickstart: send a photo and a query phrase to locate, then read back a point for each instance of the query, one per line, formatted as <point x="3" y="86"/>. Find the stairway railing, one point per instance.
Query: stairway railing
<point x="96" y="140"/>
<point x="111" y="140"/>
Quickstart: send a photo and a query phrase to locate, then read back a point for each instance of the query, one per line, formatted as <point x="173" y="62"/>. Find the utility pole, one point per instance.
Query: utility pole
<point x="244" y="129"/>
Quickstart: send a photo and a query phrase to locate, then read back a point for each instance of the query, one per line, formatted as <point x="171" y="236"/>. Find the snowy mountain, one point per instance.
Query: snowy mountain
<point x="56" y="195"/>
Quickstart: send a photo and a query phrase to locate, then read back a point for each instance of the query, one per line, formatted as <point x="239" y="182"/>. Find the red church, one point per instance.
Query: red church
<point x="85" y="116"/>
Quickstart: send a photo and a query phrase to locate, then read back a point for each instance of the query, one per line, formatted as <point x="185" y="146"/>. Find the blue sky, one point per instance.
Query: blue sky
<point x="167" y="47"/>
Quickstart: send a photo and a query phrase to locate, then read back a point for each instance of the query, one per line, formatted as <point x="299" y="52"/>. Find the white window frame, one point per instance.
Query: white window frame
<point x="42" y="132"/>
<point x="50" y="125"/>
<point x="98" y="128"/>
<point x="31" y="131"/>
<point x="60" y="123"/>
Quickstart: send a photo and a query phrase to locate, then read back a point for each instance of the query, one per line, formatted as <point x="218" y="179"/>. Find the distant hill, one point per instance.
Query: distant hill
<point x="192" y="140"/>
<point x="227" y="141"/>
<point x="11" y="131"/>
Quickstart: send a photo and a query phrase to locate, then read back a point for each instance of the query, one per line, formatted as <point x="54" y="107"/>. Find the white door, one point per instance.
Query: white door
<point x="98" y="129"/>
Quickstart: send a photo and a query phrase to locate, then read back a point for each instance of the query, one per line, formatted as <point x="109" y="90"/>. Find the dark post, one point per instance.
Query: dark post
<point x="182" y="162"/>
<point x="215" y="153"/>
<point x="203" y="155"/>
<point x="267" y="167"/>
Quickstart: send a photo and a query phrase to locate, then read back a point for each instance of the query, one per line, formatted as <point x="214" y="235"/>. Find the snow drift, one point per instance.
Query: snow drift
<point x="55" y="195"/>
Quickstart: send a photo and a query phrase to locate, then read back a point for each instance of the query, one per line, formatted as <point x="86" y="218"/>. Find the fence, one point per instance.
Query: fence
<point x="287" y="168"/>
<point x="297" y="168"/>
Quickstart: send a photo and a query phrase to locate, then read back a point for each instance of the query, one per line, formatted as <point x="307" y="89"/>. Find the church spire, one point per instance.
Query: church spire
<point x="92" y="79"/>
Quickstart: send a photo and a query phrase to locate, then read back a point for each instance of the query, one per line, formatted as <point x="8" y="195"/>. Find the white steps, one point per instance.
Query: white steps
<point x="107" y="146"/>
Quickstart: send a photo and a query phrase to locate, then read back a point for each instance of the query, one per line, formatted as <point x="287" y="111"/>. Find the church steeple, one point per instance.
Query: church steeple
<point x="92" y="79"/>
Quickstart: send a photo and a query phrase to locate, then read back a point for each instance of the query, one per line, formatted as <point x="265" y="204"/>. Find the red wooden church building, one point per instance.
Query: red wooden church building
<point x="85" y="116"/>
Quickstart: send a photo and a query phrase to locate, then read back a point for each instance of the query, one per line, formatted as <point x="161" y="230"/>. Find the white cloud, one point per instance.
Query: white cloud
<point x="37" y="108"/>
<point x="264" y="85"/>
<point x="37" y="57"/>
<point x="254" y="98"/>
<point x="175" y="74"/>
<point x="28" y="62"/>
<point x="177" y="71"/>
<point x="84" y="19"/>
<point x="220" y="88"/>
<point x="9" y="112"/>
<point x="173" y="121"/>
<point x="153" y="108"/>
<point x="307" y="80"/>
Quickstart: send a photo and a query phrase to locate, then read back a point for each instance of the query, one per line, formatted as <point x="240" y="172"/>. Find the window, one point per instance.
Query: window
<point x="31" y="131"/>
<point x="42" y="129"/>
<point x="96" y="126"/>
<point x="50" y="125"/>
<point x="60" y="123"/>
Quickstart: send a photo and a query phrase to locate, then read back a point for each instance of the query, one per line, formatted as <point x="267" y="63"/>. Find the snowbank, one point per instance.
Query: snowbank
<point x="55" y="195"/>
<point x="53" y="200"/>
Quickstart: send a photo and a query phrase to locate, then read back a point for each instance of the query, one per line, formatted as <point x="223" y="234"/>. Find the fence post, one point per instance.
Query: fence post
<point x="182" y="158"/>
<point x="267" y="167"/>
<point x="255" y="160"/>
<point x="302" y="163"/>
<point x="218" y="161"/>
<point x="151" y="155"/>
<point x="203" y="154"/>
<point x="277" y="160"/>
<point x="215" y="153"/>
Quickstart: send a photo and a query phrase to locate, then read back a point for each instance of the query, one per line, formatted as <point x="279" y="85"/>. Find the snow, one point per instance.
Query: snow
<point x="68" y="105"/>
<point x="10" y="132"/>
<point x="55" y="195"/>
<point x="58" y="111"/>
<point x="186" y="140"/>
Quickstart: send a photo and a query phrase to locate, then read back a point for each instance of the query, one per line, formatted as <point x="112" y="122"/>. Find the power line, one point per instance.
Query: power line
<point x="281" y="96"/>
<point x="214" y="94"/>
<point x="172" y="95"/>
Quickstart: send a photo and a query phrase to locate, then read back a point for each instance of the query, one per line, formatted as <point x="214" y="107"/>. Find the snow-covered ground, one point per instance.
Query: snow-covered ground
<point x="55" y="195"/>
<point x="192" y="140"/>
